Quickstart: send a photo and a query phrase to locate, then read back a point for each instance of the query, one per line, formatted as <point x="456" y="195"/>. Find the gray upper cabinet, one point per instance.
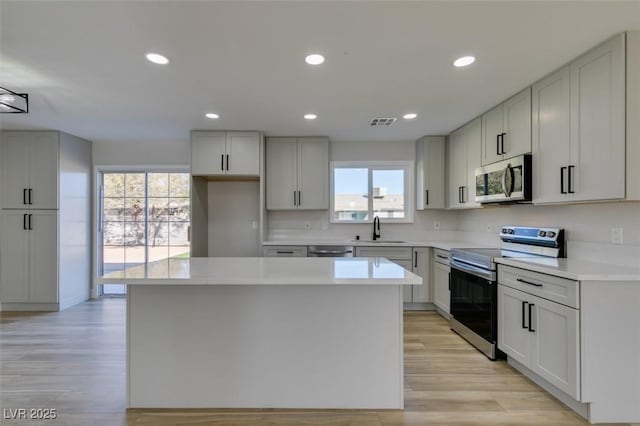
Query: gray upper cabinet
<point x="597" y="167"/>
<point x="225" y="153"/>
<point x="463" y="158"/>
<point x="506" y="129"/>
<point x="579" y="128"/>
<point x="430" y="173"/>
<point x="30" y="163"/>
<point x="297" y="173"/>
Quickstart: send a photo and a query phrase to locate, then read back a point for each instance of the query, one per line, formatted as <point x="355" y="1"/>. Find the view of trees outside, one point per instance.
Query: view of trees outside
<point x="145" y="214"/>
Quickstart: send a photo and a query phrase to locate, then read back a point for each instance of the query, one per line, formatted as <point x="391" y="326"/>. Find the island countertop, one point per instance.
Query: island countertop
<point x="265" y="271"/>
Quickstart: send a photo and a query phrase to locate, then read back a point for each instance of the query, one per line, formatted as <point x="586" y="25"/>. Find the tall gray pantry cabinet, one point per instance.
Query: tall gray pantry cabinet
<point x="45" y="220"/>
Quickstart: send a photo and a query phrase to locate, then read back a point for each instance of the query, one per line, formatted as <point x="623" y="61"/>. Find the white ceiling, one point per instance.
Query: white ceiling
<point x="83" y="63"/>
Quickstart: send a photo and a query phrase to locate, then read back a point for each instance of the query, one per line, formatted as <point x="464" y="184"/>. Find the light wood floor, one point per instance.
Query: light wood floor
<point x="74" y="361"/>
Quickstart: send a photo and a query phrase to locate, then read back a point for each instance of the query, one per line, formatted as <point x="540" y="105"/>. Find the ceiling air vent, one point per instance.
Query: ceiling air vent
<point x="376" y="122"/>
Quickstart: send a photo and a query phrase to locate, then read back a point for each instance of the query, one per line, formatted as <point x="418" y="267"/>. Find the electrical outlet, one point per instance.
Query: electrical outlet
<point x="617" y="236"/>
<point x="307" y="226"/>
<point x="436" y="225"/>
<point x="489" y="228"/>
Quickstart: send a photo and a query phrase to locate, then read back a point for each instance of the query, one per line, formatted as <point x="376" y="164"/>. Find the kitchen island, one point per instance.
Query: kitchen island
<point x="265" y="333"/>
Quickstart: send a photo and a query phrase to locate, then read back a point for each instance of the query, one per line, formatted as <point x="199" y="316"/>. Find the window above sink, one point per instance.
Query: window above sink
<point x="362" y="190"/>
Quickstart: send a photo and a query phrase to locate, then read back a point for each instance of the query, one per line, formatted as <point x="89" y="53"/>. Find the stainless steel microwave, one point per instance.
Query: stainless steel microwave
<point x="507" y="181"/>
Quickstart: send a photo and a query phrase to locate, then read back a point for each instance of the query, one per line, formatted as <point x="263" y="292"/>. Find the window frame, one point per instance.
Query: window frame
<point x="407" y="166"/>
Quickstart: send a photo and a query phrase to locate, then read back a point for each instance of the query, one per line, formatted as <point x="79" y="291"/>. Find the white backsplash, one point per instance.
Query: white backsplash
<point x="291" y="225"/>
<point x="587" y="226"/>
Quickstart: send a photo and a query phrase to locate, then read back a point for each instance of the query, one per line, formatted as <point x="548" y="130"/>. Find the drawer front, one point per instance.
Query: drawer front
<point x="391" y="253"/>
<point x="284" y="251"/>
<point x="441" y="256"/>
<point x="556" y="289"/>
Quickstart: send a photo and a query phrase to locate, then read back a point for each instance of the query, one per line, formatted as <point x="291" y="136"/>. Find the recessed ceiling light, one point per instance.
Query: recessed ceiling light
<point x="157" y="58"/>
<point x="410" y="116"/>
<point x="464" y="61"/>
<point x="314" y="59"/>
<point x="212" y="115"/>
<point x="310" y="116"/>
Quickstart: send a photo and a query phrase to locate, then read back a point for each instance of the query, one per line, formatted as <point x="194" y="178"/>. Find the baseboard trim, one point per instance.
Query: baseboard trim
<point x="419" y="306"/>
<point x="442" y="313"/>
<point x="579" y="407"/>
<point x="73" y="301"/>
<point x="33" y="307"/>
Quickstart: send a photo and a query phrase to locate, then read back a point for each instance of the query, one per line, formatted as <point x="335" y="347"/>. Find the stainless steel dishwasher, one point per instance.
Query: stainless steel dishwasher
<point x="330" y="251"/>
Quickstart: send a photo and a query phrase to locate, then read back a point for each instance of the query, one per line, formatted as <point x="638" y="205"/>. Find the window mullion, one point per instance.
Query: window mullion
<point x="370" y="189"/>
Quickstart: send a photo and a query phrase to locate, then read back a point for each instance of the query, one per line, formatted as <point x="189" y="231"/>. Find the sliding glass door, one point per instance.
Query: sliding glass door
<point x="145" y="216"/>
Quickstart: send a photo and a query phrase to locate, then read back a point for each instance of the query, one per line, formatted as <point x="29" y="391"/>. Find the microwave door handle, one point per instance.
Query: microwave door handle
<point x="505" y="190"/>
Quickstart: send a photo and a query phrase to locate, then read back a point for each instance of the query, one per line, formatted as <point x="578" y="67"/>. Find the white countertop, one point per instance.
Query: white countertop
<point x="573" y="269"/>
<point x="444" y="245"/>
<point x="265" y="271"/>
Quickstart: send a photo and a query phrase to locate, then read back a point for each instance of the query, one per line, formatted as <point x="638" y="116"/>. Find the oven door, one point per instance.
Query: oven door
<point x="474" y="299"/>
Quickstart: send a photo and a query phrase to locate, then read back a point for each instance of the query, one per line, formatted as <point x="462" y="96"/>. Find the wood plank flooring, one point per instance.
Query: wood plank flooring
<point x="74" y="361"/>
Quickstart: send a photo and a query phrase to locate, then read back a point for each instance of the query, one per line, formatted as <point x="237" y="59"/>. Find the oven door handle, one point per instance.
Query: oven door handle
<point x="474" y="270"/>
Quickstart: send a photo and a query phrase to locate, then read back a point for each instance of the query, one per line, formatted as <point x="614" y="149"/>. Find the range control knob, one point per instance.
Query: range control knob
<point x="542" y="233"/>
<point x="551" y="234"/>
<point x="503" y="230"/>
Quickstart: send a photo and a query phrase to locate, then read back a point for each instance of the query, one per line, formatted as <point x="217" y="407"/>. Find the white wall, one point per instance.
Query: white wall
<point x="233" y="218"/>
<point x="292" y="224"/>
<point x="142" y="153"/>
<point x="588" y="226"/>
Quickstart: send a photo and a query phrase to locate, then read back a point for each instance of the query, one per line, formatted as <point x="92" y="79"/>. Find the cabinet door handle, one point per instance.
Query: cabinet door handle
<point x="284" y="251"/>
<point x="531" y="305"/>
<point x="524" y="308"/>
<point x="460" y="195"/>
<point x="442" y="257"/>
<point x="299" y="198"/>
<point x="415" y="259"/>
<point x="30" y="224"/>
<point x="294" y="198"/>
<point x="569" y="180"/>
<point x="426" y="194"/>
<point x="227" y="162"/>
<point x="502" y="151"/>
<point x="24" y="196"/>
<point x="24" y="221"/>
<point x="562" y="169"/>
<point x="520" y="280"/>
<point x="462" y="188"/>
<point x="222" y="162"/>
<point x="498" y="144"/>
<point x="30" y="196"/>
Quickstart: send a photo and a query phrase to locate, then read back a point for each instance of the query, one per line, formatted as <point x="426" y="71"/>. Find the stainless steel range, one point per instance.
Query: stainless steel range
<point x="474" y="294"/>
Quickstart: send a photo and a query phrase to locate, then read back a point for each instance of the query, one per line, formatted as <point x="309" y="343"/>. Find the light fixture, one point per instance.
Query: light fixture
<point x="13" y="103"/>
<point x="410" y="116"/>
<point x="212" y="115"/>
<point x="464" y="61"/>
<point x="157" y="58"/>
<point x="314" y="59"/>
<point x="310" y="116"/>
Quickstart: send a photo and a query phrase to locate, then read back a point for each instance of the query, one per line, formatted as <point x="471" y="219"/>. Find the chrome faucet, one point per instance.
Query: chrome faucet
<point x="376" y="228"/>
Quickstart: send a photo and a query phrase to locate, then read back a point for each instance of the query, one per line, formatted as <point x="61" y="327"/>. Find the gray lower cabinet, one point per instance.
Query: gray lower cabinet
<point x="412" y="259"/>
<point x="539" y="332"/>
<point x="441" y="270"/>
